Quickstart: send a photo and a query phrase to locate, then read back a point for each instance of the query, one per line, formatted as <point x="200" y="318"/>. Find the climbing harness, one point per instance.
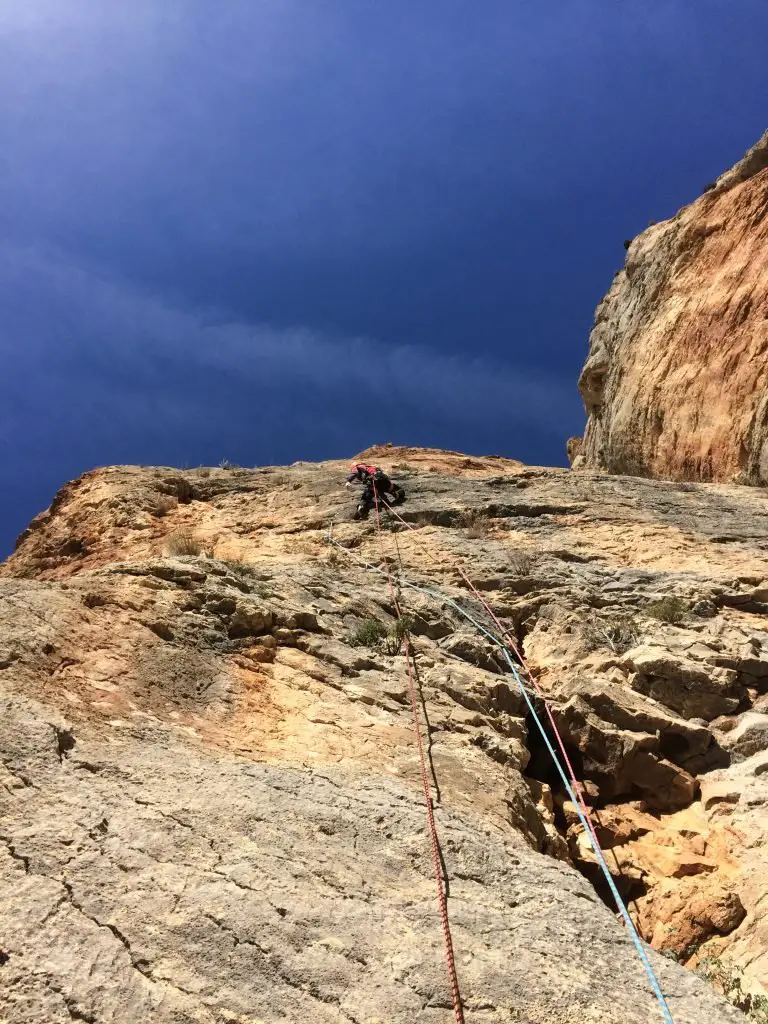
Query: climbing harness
<point x="572" y="786"/>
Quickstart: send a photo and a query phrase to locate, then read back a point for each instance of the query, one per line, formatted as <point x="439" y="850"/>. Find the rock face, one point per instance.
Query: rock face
<point x="676" y="381"/>
<point x="211" y="807"/>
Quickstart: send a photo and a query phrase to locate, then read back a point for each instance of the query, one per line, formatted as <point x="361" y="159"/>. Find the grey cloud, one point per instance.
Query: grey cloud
<point x="87" y="321"/>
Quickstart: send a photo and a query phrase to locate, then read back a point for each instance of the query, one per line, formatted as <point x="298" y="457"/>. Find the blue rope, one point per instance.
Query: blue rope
<point x="434" y="594"/>
<point x="598" y="852"/>
<point x="585" y="824"/>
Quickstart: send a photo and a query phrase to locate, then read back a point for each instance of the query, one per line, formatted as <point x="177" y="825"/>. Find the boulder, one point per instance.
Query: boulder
<point x="681" y="684"/>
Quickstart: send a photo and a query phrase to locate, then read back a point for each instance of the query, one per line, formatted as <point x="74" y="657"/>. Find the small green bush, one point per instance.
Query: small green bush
<point x="618" y="634"/>
<point x="404" y="467"/>
<point x="727" y="979"/>
<point x="402" y="627"/>
<point x="398" y="633"/>
<point x="369" y="633"/>
<point x="372" y="633"/>
<point x="681" y="956"/>
<point x="671" y="954"/>
<point x="667" y="609"/>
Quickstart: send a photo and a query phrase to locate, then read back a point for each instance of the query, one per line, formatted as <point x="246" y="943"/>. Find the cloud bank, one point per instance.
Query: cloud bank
<point x="106" y="357"/>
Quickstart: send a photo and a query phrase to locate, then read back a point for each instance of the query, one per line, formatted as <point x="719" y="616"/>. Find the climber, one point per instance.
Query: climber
<point x="376" y="485"/>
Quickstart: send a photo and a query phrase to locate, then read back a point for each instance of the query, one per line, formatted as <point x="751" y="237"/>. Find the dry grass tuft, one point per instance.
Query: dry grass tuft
<point x="476" y="524"/>
<point x="183" y="543"/>
<point x="523" y="562"/>
<point x="617" y="633"/>
<point x="164" y="504"/>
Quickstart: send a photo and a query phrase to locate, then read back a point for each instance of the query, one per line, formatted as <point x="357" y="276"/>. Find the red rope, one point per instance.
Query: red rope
<point x="433" y="839"/>
<point x="577" y="788"/>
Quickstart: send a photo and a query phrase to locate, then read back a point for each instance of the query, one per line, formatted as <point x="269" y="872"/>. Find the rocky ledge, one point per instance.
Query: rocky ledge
<point x="211" y="808"/>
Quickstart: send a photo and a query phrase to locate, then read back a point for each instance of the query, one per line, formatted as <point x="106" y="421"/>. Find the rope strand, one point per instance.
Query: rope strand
<point x="572" y="787"/>
<point x="432" y="826"/>
<point x="577" y="789"/>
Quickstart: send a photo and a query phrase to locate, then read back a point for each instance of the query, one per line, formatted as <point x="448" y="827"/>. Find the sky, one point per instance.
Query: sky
<point x="270" y="230"/>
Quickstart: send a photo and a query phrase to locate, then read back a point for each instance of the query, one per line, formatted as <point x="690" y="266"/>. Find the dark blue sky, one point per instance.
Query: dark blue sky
<point x="269" y="229"/>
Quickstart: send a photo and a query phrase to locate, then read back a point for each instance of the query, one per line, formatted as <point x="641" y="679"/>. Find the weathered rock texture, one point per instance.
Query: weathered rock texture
<point x="210" y="806"/>
<point x="676" y="382"/>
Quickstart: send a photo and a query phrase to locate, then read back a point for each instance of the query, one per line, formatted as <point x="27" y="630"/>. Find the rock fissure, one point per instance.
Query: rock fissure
<point x="18" y="857"/>
<point x="138" y="962"/>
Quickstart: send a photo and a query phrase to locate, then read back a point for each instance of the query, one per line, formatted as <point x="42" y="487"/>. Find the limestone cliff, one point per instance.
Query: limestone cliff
<point x="210" y="806"/>
<point x="676" y="381"/>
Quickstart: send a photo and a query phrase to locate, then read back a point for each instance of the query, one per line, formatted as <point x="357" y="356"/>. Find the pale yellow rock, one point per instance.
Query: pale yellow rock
<point x="675" y="384"/>
<point x="211" y="797"/>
